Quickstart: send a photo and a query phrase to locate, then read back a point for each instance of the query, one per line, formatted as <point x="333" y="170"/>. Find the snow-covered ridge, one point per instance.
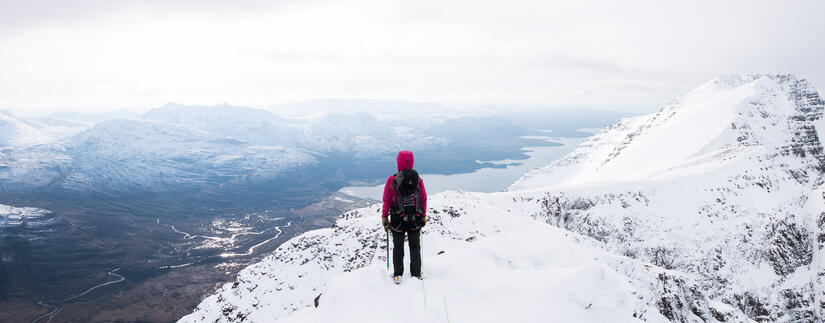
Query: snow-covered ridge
<point x="712" y="209"/>
<point x="736" y="209"/>
<point x="480" y="264"/>
<point x="722" y="120"/>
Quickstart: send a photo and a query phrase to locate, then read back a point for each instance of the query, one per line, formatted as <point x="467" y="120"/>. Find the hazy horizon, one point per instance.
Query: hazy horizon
<point x="289" y="109"/>
<point x="97" y="56"/>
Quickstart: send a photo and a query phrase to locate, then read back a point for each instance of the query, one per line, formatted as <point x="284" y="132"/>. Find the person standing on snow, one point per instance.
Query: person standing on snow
<point x="404" y="212"/>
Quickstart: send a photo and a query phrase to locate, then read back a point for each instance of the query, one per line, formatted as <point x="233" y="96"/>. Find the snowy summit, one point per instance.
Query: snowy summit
<point x="709" y="210"/>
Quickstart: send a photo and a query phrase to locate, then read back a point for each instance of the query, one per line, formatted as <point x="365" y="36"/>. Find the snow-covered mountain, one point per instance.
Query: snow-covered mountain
<point x="726" y="121"/>
<point x="401" y="109"/>
<point x="151" y="154"/>
<point x="143" y="155"/>
<point x="363" y="133"/>
<point x="735" y="203"/>
<point x="247" y="124"/>
<point x="712" y="209"/>
<point x="28" y="131"/>
<point x="15" y="132"/>
<point x="336" y="132"/>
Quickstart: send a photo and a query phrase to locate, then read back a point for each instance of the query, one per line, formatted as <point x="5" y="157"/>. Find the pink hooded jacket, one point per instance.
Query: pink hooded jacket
<point x="404" y="161"/>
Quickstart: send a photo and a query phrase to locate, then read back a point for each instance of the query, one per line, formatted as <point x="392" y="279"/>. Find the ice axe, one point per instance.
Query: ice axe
<point x="388" y="248"/>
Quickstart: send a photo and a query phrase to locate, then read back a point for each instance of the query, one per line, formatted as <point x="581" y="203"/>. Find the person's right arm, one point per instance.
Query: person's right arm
<point x="388" y="197"/>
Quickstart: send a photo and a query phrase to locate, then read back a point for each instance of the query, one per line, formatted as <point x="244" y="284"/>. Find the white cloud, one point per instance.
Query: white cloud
<point x="103" y="55"/>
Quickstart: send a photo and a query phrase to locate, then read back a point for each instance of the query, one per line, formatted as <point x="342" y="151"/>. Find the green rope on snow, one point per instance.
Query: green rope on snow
<point x="424" y="290"/>
<point x="445" y="309"/>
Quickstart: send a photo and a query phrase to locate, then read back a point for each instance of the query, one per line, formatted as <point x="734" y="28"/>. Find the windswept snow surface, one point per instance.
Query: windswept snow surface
<point x="709" y="210"/>
<point x="495" y="265"/>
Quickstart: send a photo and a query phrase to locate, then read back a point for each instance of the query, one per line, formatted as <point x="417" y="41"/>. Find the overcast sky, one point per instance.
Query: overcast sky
<point x="621" y="55"/>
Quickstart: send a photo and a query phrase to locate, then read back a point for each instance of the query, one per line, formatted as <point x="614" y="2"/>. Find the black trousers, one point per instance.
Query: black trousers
<point x="398" y="252"/>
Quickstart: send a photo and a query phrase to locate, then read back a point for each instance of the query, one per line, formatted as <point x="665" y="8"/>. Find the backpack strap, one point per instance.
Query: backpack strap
<point x="396" y="208"/>
<point x="406" y="217"/>
<point x="418" y="207"/>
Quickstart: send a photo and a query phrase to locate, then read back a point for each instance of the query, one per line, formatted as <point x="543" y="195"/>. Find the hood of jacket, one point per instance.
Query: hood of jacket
<point x="404" y="160"/>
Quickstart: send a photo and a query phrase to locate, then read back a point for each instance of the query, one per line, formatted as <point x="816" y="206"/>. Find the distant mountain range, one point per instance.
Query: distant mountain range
<point x="180" y="147"/>
<point x="177" y="145"/>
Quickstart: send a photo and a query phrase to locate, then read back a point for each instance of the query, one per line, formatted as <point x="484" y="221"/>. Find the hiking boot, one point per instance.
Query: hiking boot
<point x="397" y="280"/>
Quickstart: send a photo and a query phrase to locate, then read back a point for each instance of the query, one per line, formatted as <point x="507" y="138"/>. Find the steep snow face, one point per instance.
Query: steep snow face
<point x="733" y="206"/>
<point x="726" y="225"/>
<point x="817" y="209"/>
<point x="717" y="124"/>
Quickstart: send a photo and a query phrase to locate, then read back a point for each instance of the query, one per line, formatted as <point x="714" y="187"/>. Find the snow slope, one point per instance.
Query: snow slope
<point x="495" y="265"/>
<point x="15" y="132"/>
<point x="732" y="206"/>
<point x="708" y="128"/>
<point x="708" y="210"/>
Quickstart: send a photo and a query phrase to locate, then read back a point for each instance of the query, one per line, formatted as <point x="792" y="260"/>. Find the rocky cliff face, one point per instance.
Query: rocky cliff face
<point x="712" y="209"/>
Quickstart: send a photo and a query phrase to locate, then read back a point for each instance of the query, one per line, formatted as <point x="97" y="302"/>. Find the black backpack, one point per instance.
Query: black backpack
<point x="407" y="207"/>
